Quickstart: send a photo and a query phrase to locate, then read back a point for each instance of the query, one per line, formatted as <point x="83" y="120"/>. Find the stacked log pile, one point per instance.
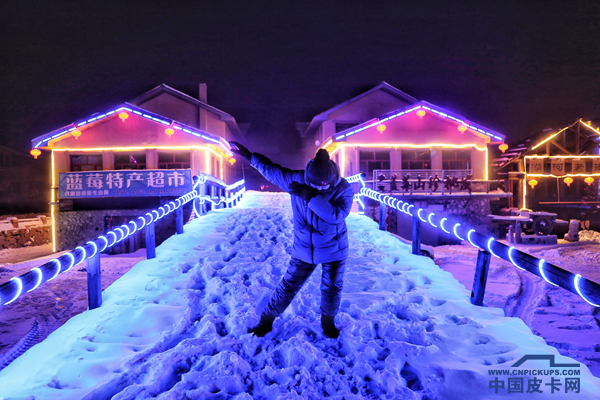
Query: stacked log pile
<point x="26" y="236"/>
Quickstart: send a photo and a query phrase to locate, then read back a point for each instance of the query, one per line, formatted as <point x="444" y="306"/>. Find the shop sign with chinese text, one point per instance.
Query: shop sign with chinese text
<point x="124" y="183"/>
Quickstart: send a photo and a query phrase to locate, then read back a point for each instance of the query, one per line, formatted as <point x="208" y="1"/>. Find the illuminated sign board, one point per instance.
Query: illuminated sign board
<point x="124" y="183"/>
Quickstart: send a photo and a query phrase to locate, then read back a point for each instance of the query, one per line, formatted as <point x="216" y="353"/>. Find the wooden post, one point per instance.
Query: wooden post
<point x="94" y="281"/>
<point x="480" y="279"/>
<point x="150" y="242"/>
<point x="382" y="215"/>
<point x="416" y="235"/>
<point x="179" y="220"/>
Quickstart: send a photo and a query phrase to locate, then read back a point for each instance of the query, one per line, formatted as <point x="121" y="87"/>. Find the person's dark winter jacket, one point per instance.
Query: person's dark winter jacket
<point x="320" y="233"/>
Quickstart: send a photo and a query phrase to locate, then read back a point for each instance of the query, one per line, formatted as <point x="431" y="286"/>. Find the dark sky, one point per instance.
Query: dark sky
<point x="514" y="66"/>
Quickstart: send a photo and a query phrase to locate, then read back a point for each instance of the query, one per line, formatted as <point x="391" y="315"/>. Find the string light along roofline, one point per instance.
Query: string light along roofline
<point x="422" y="105"/>
<point x="40" y="141"/>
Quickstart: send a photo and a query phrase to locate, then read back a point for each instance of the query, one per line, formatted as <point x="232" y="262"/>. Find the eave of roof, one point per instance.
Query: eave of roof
<point x="494" y="136"/>
<point x="162" y="88"/>
<point x="97" y="118"/>
<point x="383" y="86"/>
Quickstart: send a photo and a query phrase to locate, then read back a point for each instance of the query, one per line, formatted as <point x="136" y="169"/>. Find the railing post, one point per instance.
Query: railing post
<point x="518" y="232"/>
<point x="443" y="179"/>
<point x="480" y="279"/>
<point x="150" y="242"/>
<point x="179" y="220"/>
<point x="94" y="281"/>
<point x="382" y="216"/>
<point x="416" y="235"/>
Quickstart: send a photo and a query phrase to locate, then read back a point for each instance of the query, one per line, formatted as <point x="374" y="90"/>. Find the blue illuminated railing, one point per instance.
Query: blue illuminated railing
<point x="17" y="286"/>
<point x="554" y="275"/>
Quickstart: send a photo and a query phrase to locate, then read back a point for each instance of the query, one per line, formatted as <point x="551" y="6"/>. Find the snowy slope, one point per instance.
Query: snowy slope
<point x="175" y="327"/>
<point x="562" y="318"/>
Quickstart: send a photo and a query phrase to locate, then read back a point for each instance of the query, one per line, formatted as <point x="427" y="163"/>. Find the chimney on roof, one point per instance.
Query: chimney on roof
<point x="202" y="96"/>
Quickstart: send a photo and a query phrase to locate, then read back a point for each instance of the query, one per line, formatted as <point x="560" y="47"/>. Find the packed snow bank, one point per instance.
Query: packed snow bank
<point x="175" y="327"/>
<point x="589" y="235"/>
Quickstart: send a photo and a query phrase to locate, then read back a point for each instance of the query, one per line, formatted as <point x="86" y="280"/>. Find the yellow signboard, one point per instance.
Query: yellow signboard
<point x="596" y="169"/>
<point x="558" y="166"/>
<point x="577" y="166"/>
<point x="536" y="165"/>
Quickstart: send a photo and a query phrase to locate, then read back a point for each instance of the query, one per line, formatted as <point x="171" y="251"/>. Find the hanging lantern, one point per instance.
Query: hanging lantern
<point x="123" y="116"/>
<point x="232" y="160"/>
<point x="381" y="128"/>
<point x="532" y="183"/>
<point x="421" y="113"/>
<point x="503" y="147"/>
<point x="76" y="133"/>
<point x="462" y="128"/>
<point x="35" y="153"/>
<point x="169" y="132"/>
<point x="589" y="180"/>
<point x="568" y="181"/>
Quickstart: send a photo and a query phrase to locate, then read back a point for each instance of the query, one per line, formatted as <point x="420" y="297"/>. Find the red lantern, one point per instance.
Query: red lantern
<point x="568" y="181"/>
<point x="123" y="116"/>
<point x="76" y="133"/>
<point x="589" y="180"/>
<point x="35" y="153"/>
<point x="532" y="183"/>
<point x="421" y="113"/>
<point x="169" y="132"/>
<point x="503" y="147"/>
<point x="381" y="128"/>
<point x="462" y="128"/>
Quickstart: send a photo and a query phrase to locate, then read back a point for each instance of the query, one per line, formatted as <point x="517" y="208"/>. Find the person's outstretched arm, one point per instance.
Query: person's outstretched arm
<point x="274" y="173"/>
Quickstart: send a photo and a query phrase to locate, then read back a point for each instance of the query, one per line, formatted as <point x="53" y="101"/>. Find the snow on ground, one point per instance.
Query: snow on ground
<point x="41" y="312"/>
<point x="175" y="327"/>
<point x="562" y="318"/>
<point x="589" y="235"/>
<point x="21" y="254"/>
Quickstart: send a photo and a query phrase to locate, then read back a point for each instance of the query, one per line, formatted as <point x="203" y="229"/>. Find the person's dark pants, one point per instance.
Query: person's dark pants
<point x="332" y="282"/>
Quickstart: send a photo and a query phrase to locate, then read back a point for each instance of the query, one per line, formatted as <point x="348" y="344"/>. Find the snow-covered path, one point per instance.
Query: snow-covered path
<point x="562" y="318"/>
<point x="175" y="327"/>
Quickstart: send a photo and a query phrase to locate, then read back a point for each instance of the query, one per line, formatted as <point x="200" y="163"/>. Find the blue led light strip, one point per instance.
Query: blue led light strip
<point x="478" y="240"/>
<point x="166" y="122"/>
<point x="15" y="287"/>
<point x="378" y="121"/>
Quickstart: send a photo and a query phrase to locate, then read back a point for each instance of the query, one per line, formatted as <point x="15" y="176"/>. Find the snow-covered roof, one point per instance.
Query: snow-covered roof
<point x="162" y="88"/>
<point x="41" y="141"/>
<point x="424" y="105"/>
<point x="383" y="86"/>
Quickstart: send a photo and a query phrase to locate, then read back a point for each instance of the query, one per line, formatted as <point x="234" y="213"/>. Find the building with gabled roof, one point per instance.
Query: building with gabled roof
<point x="556" y="169"/>
<point x="132" y="157"/>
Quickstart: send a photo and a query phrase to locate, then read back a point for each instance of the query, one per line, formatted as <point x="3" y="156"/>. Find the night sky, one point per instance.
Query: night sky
<point x="514" y="68"/>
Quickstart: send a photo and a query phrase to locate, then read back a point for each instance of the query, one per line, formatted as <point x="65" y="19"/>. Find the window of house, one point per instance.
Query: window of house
<point x="456" y="158"/>
<point x="416" y="159"/>
<point x="88" y="162"/>
<point x="173" y="160"/>
<point x="371" y="160"/>
<point x="130" y="160"/>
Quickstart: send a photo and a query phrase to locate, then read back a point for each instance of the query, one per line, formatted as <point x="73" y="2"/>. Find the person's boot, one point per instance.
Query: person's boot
<point x="264" y="326"/>
<point x="329" y="328"/>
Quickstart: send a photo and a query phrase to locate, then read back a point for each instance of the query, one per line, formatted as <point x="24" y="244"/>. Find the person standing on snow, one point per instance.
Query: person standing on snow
<point x="321" y="202"/>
